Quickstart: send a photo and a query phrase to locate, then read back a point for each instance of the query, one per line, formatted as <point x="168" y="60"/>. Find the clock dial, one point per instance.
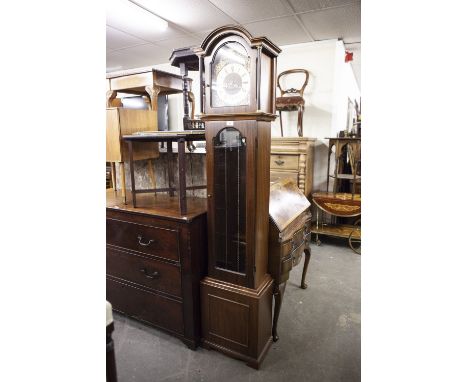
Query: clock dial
<point x="230" y="84"/>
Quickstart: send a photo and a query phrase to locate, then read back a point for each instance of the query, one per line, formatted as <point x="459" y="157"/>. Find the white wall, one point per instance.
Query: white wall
<point x="345" y="86"/>
<point x="318" y="59"/>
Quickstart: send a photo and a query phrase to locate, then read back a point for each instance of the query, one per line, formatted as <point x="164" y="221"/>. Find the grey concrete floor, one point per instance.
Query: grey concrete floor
<point x="319" y="329"/>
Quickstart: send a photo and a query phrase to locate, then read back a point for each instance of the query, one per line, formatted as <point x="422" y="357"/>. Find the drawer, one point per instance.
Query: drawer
<point x="146" y="306"/>
<point x="157" y="241"/>
<point x="297" y="254"/>
<point x="298" y="238"/>
<point x="284" y="162"/>
<point x="151" y="273"/>
<point x="276" y="176"/>
<point x="286" y="264"/>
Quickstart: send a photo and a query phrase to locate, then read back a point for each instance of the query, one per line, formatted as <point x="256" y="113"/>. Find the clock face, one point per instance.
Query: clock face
<point x="230" y="85"/>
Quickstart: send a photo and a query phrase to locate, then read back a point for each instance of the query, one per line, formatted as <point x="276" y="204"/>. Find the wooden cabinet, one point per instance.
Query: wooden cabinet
<point x="121" y="121"/>
<point x="293" y="158"/>
<point x="155" y="260"/>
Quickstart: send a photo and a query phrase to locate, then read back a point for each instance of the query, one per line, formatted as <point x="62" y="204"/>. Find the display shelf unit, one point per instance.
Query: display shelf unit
<point x="337" y="203"/>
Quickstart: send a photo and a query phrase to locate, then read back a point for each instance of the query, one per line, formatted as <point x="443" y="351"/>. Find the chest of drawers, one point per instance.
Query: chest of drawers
<point x="293" y="158"/>
<point x="155" y="259"/>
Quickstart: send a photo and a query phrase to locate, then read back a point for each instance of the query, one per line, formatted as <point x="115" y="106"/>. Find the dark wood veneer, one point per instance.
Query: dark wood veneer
<point x="158" y="284"/>
<point x="237" y="295"/>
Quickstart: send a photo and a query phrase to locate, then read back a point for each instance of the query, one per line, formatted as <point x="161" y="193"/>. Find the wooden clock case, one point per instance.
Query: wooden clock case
<point x="236" y="296"/>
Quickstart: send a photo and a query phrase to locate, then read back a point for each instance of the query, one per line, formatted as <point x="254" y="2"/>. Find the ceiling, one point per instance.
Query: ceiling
<point x="133" y="41"/>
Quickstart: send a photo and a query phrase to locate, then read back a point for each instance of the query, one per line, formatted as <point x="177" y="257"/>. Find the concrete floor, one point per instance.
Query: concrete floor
<point x="319" y="329"/>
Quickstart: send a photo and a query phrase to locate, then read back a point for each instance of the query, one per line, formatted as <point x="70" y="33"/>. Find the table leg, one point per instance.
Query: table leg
<point x="110" y="96"/>
<point x="123" y="184"/>
<point x="114" y="176"/>
<point x="306" y="265"/>
<point x="151" y="173"/>
<point x="281" y="123"/>
<point x="132" y="171"/>
<point x="299" y="122"/>
<point x="170" y="170"/>
<point x="328" y="166"/>
<point x="153" y="92"/>
<point x="278" y="294"/>
<point x="182" y="185"/>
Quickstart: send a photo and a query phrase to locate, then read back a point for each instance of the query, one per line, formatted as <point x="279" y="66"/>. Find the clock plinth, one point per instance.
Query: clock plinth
<point x="237" y="76"/>
<point x="234" y="319"/>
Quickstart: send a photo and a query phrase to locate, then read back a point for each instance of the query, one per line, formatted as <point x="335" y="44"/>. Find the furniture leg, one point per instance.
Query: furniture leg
<point x="299" y="121"/>
<point x="317" y="240"/>
<point x="151" y="173"/>
<point x="281" y="123"/>
<point x="132" y="172"/>
<point x="153" y="92"/>
<point x="306" y="265"/>
<point x="122" y="182"/>
<point x="110" y="96"/>
<point x="337" y="164"/>
<point x="182" y="185"/>
<point x="114" y="176"/>
<point x="278" y="294"/>
<point x="170" y="170"/>
<point x="328" y="166"/>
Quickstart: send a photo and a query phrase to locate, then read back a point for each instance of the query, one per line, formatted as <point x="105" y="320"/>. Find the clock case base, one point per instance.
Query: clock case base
<point x="237" y="320"/>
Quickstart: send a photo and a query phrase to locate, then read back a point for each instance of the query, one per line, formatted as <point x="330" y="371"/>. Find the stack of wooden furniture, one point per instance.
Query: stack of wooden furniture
<point x="147" y="82"/>
<point x="293" y="158"/>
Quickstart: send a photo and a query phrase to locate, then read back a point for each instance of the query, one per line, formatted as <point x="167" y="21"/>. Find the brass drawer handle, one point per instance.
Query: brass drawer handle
<point x="140" y="238"/>
<point x="149" y="275"/>
<point x="279" y="162"/>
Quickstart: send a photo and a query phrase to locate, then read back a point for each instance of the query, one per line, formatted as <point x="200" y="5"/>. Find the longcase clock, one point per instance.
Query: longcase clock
<point x="238" y="75"/>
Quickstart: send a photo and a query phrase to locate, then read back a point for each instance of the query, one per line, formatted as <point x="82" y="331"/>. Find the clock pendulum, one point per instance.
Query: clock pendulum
<point x="237" y="77"/>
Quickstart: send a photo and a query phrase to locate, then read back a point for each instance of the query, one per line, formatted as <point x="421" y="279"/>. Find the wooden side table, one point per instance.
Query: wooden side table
<point x="143" y="81"/>
<point x="181" y="137"/>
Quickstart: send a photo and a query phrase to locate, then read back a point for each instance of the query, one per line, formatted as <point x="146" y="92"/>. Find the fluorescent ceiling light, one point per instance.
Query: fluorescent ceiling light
<point x="149" y="6"/>
<point x="128" y="16"/>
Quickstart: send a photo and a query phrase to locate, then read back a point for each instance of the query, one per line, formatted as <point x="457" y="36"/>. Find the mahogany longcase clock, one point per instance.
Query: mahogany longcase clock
<point x="238" y="75"/>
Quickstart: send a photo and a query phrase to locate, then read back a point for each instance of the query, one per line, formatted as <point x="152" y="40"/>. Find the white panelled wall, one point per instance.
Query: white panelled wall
<point x="331" y="83"/>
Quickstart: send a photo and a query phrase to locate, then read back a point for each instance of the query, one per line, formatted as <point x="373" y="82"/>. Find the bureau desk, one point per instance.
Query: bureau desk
<point x="289" y="237"/>
<point x="155" y="258"/>
<point x="293" y="158"/>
